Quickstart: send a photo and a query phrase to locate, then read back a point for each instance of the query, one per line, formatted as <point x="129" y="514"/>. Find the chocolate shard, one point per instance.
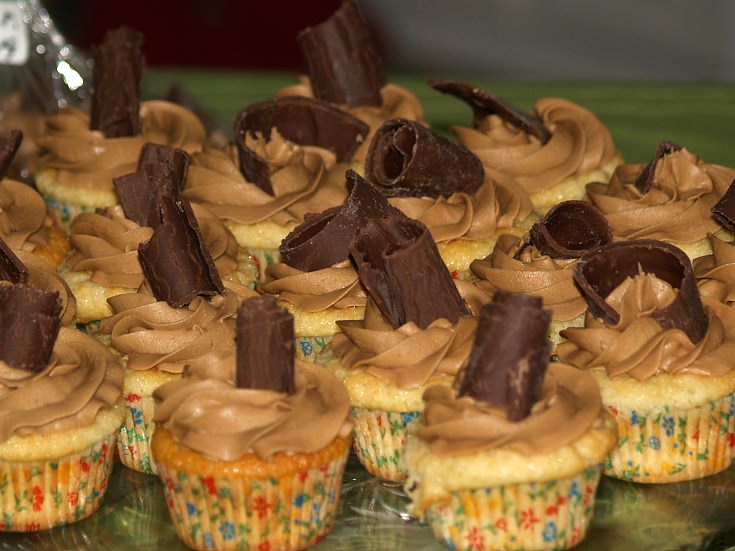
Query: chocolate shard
<point x="407" y="159"/>
<point x="29" y="324"/>
<point x="11" y="267"/>
<point x="344" y="66"/>
<point x="324" y="239"/>
<point x="510" y="354"/>
<point x="265" y="346"/>
<point x="400" y="268"/>
<point x="724" y="209"/>
<point x="645" y="179"/>
<point x="118" y="68"/>
<point x="484" y="104"/>
<point x="9" y="145"/>
<point x="600" y="271"/>
<point x="304" y="121"/>
<point x="569" y="230"/>
<point x="177" y="94"/>
<point x="175" y="260"/>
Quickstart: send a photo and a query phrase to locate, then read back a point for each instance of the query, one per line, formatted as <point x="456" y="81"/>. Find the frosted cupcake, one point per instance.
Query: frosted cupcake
<point x="552" y="153"/>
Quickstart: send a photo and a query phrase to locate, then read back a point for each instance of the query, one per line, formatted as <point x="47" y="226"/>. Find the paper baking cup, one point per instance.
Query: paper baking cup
<point x="264" y="258"/>
<point x="133" y="444"/>
<point x="543" y="515"/>
<point x="309" y="348"/>
<point x="380" y="440"/>
<point x="673" y="445"/>
<point x="36" y="495"/>
<point x="64" y="213"/>
<point x="288" y="513"/>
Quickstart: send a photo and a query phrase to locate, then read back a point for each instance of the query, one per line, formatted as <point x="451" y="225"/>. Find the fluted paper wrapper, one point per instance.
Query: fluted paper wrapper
<point x="133" y="444"/>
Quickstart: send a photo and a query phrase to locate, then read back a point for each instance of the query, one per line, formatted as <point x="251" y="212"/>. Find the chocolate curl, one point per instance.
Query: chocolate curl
<point x="29" y="324"/>
<point x="118" y="68"/>
<point x="265" y="346"/>
<point x="344" y="66"/>
<point x="510" y="355"/>
<point x="400" y="267"/>
<point x="724" y="209"/>
<point x="8" y="148"/>
<point x="599" y="272"/>
<point x="11" y="267"/>
<point x="645" y="179"/>
<point x="484" y="104"/>
<point x="407" y="159"/>
<point x="569" y="230"/>
<point x="175" y="259"/>
<point x="304" y="121"/>
<point x="324" y="239"/>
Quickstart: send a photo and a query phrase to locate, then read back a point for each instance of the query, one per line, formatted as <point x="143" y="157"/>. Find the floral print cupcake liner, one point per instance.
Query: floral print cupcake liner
<point x="380" y="440"/>
<point x="64" y="213"/>
<point x="288" y="513"/>
<point x="672" y="445"/>
<point x="37" y="495"/>
<point x="133" y="444"/>
<point x="535" y="515"/>
<point x="309" y="348"/>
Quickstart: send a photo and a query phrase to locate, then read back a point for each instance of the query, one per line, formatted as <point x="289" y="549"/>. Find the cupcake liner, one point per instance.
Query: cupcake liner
<point x="535" y="515"/>
<point x="264" y="258"/>
<point x="64" y="213"/>
<point x="309" y="348"/>
<point x="133" y="444"/>
<point x="293" y="512"/>
<point x="36" y="495"/>
<point x="380" y="440"/>
<point x="672" y="445"/>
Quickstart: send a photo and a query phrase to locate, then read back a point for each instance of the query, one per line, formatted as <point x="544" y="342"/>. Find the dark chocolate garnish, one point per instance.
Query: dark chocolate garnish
<point x="484" y="104"/>
<point x="344" y="66"/>
<point x="265" y="346"/>
<point x="407" y="159"/>
<point x="9" y="145"/>
<point x="510" y="354"/>
<point x="304" y="121"/>
<point x="29" y="324"/>
<point x="400" y="267"/>
<point x="11" y="267"/>
<point x="324" y="239"/>
<point x="599" y="272"/>
<point x="724" y="209"/>
<point x="175" y="260"/>
<point x="644" y="181"/>
<point x="177" y="94"/>
<point x="118" y="68"/>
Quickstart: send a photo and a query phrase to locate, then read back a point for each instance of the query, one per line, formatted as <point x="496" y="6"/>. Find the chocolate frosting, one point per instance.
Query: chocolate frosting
<point x="23" y="218"/>
<point x="407" y="159"/>
<point x="11" y="267"/>
<point x="9" y="146"/>
<point x="647" y="176"/>
<point x="715" y="273"/>
<point x="724" y="209"/>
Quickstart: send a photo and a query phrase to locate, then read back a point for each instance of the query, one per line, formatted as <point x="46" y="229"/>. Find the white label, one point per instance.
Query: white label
<point x="14" y="41"/>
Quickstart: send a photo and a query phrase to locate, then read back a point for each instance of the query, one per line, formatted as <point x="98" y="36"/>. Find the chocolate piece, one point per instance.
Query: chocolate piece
<point x="400" y="268"/>
<point x="175" y="259"/>
<point x="324" y="239"/>
<point x="304" y="121"/>
<point x="9" y="145"/>
<point x="569" y="230"/>
<point x="484" y="104"/>
<point x="265" y="346"/>
<point x="11" y="267"/>
<point x="29" y="324"/>
<point x="724" y="209"/>
<point x="645" y="179"/>
<point x="176" y="94"/>
<point x="118" y="68"/>
<point x="407" y="159"/>
<point x="510" y="354"/>
<point x="344" y="66"/>
<point x="599" y="272"/>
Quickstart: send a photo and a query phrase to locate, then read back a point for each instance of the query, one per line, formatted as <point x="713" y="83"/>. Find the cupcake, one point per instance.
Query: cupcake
<point x="668" y="199"/>
<point x="251" y="448"/>
<point x="60" y="412"/>
<point x="662" y="359"/>
<point x="552" y="153"/>
<point x="510" y="457"/>
<point x="540" y="263"/>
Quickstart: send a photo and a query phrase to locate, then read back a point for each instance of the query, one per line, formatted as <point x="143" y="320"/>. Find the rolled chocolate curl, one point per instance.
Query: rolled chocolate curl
<point x="645" y="179"/>
<point x="265" y="346"/>
<point x="510" y="354"/>
<point x="11" y="267"/>
<point x="324" y="239"/>
<point x="599" y="272"/>
<point x="118" y="68"/>
<point x="343" y="64"/>
<point x="724" y="209"/>
<point x="400" y="268"/>
<point x="484" y="104"/>
<point x="29" y="325"/>
<point x="304" y="121"/>
<point x="9" y="145"/>
<point x="407" y="159"/>
<point x="175" y="260"/>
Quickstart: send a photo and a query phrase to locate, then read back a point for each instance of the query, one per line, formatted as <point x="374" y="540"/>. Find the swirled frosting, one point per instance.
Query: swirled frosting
<point x="85" y="159"/>
<point x="715" y="273"/>
<point x="579" y="144"/>
<point x="676" y="208"/>
<point x="23" y="220"/>
<point x="16" y="116"/>
<point x="81" y="378"/>
<point x="638" y="346"/>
